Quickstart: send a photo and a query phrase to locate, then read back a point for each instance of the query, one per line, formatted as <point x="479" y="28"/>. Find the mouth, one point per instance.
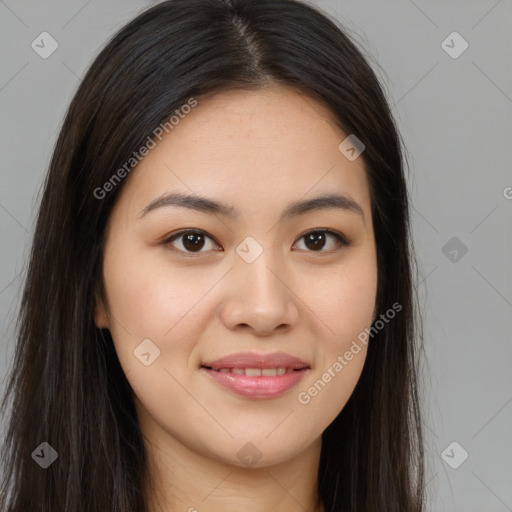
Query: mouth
<point x="256" y="372"/>
<point x="257" y="376"/>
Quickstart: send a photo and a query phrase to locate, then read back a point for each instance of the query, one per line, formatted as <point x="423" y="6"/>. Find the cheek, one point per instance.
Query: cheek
<point x="344" y="299"/>
<point x="146" y="295"/>
<point x="323" y="397"/>
<point x="150" y="300"/>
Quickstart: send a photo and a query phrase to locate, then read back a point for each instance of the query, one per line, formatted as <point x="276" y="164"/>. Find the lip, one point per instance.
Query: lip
<point x="252" y="360"/>
<point x="258" y="387"/>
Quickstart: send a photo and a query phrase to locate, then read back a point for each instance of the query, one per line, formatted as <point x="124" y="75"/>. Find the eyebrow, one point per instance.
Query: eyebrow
<point x="207" y="205"/>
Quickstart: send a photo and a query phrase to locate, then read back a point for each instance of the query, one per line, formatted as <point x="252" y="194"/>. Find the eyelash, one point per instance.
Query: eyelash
<point x="341" y="240"/>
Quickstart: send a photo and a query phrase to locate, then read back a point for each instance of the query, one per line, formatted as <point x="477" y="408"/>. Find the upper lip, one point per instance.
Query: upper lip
<point x="252" y="360"/>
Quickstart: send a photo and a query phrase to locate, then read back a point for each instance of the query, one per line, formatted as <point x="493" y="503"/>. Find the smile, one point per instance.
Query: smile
<point x="254" y="383"/>
<point x="255" y="372"/>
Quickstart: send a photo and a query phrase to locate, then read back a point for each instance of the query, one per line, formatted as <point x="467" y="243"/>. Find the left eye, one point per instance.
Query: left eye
<point x="194" y="241"/>
<point x="316" y="240"/>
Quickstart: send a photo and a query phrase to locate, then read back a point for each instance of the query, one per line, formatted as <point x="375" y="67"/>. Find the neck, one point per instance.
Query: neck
<point x="184" y="480"/>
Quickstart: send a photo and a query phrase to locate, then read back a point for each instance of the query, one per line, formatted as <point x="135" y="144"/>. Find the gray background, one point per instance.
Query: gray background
<point x="455" y="117"/>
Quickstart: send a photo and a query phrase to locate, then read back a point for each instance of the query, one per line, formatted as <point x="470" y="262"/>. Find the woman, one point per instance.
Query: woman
<point x="218" y="310"/>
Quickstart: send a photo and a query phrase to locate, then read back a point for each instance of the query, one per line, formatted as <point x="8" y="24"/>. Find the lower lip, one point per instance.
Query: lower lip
<point x="257" y="387"/>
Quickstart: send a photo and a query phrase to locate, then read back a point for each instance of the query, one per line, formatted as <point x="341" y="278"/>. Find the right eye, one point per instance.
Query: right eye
<point x="188" y="241"/>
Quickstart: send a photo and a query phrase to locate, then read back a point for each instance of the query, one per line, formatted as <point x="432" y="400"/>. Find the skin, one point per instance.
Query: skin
<point x="257" y="151"/>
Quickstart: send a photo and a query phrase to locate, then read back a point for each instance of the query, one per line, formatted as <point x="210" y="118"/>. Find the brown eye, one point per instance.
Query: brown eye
<point x="190" y="241"/>
<point x="316" y="241"/>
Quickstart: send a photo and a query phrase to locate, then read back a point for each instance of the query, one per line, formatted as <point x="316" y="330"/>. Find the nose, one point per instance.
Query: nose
<point x="259" y="298"/>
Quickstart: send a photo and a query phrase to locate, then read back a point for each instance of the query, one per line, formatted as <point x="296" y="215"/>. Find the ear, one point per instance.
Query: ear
<point x="374" y="314"/>
<point x="101" y="318"/>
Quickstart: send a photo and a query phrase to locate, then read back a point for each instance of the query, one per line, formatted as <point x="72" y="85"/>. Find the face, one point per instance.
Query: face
<point x="256" y="273"/>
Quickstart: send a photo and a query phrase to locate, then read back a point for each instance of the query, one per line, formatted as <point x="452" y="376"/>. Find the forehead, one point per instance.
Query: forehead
<point x="251" y="149"/>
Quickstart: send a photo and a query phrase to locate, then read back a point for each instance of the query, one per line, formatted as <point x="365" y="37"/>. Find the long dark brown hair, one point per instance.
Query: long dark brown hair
<point x="67" y="387"/>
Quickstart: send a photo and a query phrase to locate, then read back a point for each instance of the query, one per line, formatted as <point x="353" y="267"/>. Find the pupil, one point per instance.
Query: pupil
<point x="316" y="240"/>
<point x="193" y="241"/>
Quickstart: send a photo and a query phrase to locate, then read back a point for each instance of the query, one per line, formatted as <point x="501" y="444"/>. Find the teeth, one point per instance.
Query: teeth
<point x="257" y="372"/>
